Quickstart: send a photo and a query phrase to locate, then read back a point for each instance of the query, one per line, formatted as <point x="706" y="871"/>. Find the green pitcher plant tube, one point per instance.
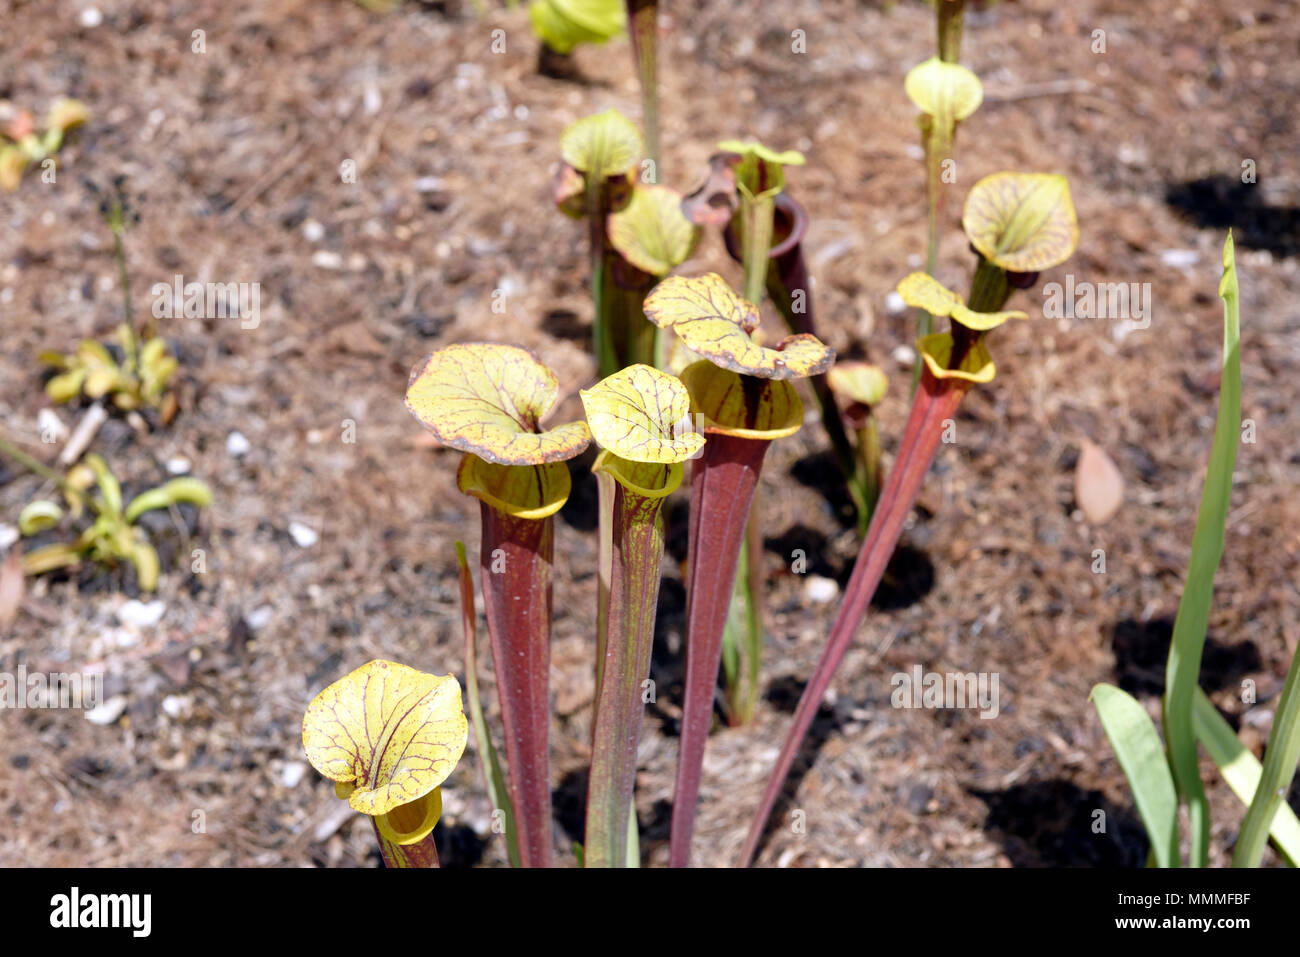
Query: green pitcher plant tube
<point x="1015" y="221"/>
<point x="640" y="418"/>
<point x="388" y="736"/>
<point x="488" y="401"/>
<point x="741" y="398"/>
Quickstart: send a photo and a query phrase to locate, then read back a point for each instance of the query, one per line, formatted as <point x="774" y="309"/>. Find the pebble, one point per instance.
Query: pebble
<point x="303" y="535"/>
<point x="428" y="184"/>
<point x="324" y="259"/>
<point x="49" y="423"/>
<point x="1179" y="258"/>
<point x="905" y="356"/>
<point x="141" y="614"/>
<point x="176" y="705"/>
<point x="8" y="535"/>
<point x="313" y="231"/>
<point x="108" y="712"/>
<point x="237" y="445"/>
<point x="178" y="465"/>
<point x="259" y="617"/>
<point x="894" y="303"/>
<point x="91" y="18"/>
<point x="820" y="590"/>
<point x="292" y="774"/>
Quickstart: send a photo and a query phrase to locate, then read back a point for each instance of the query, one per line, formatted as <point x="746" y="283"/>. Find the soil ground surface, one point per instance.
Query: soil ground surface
<point x="321" y="553"/>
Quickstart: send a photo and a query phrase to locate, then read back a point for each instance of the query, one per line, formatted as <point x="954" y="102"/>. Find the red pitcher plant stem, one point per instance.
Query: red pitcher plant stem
<point x="722" y="489"/>
<point x="935" y="401"/>
<point x="515" y="565"/>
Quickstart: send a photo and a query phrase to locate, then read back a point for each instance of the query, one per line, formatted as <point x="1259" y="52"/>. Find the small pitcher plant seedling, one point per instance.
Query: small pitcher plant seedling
<point x="488" y="401"/>
<point x="22" y="147"/>
<point x="1018" y="224"/>
<point x="113" y="538"/>
<point x="140" y="379"/>
<point x="743" y="401"/>
<point x="388" y="736"/>
<point x="760" y="177"/>
<point x="1160" y="774"/>
<point x="640" y="419"/>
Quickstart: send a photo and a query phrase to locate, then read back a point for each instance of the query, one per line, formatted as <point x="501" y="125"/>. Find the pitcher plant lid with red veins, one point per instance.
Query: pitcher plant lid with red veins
<point x="640" y="417"/>
<point x="490" y="399"/>
<point x="388" y="736"/>
<point x="714" y="322"/>
<point x="1022" y="222"/>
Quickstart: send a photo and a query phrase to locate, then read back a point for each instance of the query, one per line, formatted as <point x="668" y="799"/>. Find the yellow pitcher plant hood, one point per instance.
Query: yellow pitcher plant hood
<point x="1022" y="222"/>
<point x="923" y="291"/>
<point x="640" y="417"/>
<point x="651" y="232"/>
<point x="606" y="144"/>
<point x="858" y="382"/>
<point x="946" y="92"/>
<point x="388" y="736"/>
<point x="489" y="399"/>
<point x="713" y="322"/>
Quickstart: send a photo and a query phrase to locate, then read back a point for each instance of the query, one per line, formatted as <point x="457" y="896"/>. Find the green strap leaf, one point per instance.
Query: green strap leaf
<point x="1193" y="618"/>
<point x="1278" y="772"/>
<point x="1242" y="771"/>
<point x="1137" y="746"/>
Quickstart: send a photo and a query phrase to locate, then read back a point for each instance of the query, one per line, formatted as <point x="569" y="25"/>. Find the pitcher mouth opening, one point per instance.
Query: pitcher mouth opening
<point x="412" y="822"/>
<point x="789" y="224"/>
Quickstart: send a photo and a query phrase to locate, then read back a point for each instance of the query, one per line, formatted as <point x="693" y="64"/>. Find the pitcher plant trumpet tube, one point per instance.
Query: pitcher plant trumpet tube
<point x="648" y="238"/>
<point x="946" y="93"/>
<point x="600" y="156"/>
<point x="1015" y="221"/>
<point x="790" y="289"/>
<point x="741" y="397"/>
<point x="640" y="418"/>
<point x="488" y="401"/>
<point x="388" y="736"/>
